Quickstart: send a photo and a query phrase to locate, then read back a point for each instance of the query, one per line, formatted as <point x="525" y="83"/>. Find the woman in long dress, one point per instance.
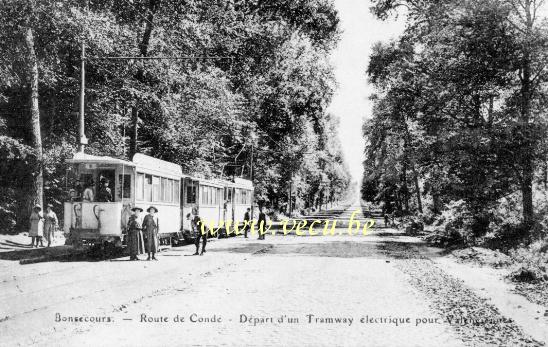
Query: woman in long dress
<point x="36" y="230"/>
<point x="135" y="235"/>
<point x="151" y="226"/>
<point x="50" y="224"/>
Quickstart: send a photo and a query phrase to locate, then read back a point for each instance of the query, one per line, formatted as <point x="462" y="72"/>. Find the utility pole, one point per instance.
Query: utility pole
<point x="251" y="177"/>
<point x="83" y="139"/>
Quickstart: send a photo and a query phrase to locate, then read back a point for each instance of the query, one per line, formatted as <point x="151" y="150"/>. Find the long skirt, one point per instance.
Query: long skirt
<point x="49" y="232"/>
<point x="36" y="228"/>
<point x="152" y="241"/>
<point x="135" y="243"/>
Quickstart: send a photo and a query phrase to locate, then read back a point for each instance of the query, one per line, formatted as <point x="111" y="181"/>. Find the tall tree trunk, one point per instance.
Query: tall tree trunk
<point x="526" y="158"/>
<point x="526" y="95"/>
<point x="436" y="203"/>
<point x="405" y="189"/>
<point x="140" y="75"/>
<point x="38" y="193"/>
<point x="417" y="187"/>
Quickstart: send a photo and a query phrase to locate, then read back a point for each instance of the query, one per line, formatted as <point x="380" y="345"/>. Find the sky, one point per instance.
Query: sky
<point x="360" y="30"/>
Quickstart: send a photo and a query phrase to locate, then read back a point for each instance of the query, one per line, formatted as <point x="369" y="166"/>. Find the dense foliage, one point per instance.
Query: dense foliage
<point x="251" y="100"/>
<point x="459" y="123"/>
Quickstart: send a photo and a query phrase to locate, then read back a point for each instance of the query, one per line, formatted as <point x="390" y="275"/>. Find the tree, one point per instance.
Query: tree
<point x="471" y="95"/>
<point x="35" y="113"/>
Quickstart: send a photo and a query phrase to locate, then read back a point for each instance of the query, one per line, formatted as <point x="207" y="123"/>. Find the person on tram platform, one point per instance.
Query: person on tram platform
<point x="77" y="193"/>
<point x="151" y="227"/>
<point x="88" y="195"/>
<point x="105" y="194"/>
<point x="135" y="243"/>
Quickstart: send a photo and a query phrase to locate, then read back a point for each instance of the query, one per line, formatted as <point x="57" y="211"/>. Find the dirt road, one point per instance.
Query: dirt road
<point x="383" y="289"/>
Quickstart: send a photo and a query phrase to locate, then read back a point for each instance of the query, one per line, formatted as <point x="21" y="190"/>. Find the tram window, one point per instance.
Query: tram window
<point x="148" y="187"/>
<point x="163" y="190"/>
<point x="140" y="185"/>
<point x="125" y="184"/>
<point x="156" y="189"/>
<point x="191" y="191"/>
<point x="85" y="179"/>
<point x="176" y="193"/>
<point x="169" y="191"/>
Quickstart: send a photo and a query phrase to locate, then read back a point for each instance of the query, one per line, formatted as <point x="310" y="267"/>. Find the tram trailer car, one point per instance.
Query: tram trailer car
<point x="143" y="182"/>
<point x="216" y="201"/>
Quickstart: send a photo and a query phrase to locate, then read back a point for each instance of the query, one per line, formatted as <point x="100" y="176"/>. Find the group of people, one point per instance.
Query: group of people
<point x="87" y="193"/>
<point x="42" y="225"/>
<point x="45" y="225"/>
<point x="260" y="220"/>
<point x="148" y="228"/>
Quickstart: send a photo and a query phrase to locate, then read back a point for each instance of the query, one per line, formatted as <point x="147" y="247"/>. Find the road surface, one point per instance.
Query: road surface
<point x="381" y="289"/>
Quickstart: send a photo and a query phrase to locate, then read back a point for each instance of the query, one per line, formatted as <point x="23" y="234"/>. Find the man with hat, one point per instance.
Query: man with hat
<point x="105" y="194"/>
<point x="151" y="227"/>
<point x="77" y="194"/>
<point x="196" y="224"/>
<point x="134" y="235"/>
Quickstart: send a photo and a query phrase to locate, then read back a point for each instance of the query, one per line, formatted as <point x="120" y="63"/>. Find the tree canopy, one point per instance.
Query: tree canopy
<point x="459" y="109"/>
<point x="251" y="83"/>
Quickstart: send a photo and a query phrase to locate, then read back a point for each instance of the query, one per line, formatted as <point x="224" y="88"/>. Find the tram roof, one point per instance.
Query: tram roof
<point x="80" y="157"/>
<point x="157" y="165"/>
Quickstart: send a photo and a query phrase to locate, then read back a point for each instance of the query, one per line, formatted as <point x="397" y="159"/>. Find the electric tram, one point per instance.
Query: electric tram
<point x="143" y="182"/>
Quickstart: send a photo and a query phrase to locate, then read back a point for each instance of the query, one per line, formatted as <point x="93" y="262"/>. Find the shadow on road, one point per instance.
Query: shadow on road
<point x="381" y="249"/>
<point x="24" y="254"/>
<point x="35" y="253"/>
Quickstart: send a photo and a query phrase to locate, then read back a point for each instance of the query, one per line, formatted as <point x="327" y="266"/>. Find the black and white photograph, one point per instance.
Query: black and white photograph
<point x="274" y="173"/>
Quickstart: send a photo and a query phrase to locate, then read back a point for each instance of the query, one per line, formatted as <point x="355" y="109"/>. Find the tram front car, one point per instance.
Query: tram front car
<point x="100" y="200"/>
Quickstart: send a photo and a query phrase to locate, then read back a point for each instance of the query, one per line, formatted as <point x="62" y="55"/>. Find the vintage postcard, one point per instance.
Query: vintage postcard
<point x="273" y="173"/>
